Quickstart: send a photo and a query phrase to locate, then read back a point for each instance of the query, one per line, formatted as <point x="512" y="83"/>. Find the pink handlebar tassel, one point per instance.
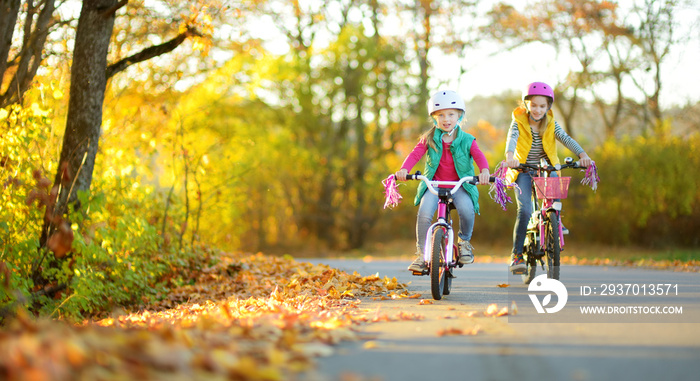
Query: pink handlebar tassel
<point x="498" y="188"/>
<point x="391" y="193"/>
<point x="498" y="193"/>
<point x="591" y="177"/>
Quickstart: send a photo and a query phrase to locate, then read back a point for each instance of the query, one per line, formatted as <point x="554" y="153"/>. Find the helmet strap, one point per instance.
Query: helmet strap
<point x="459" y="122"/>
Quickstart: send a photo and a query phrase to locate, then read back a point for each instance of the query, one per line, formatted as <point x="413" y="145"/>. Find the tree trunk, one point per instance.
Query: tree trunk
<point x="9" y="10"/>
<point x="36" y="30"/>
<point x="84" y="120"/>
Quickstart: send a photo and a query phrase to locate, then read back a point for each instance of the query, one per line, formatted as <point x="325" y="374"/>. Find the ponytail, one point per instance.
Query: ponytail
<point x="428" y="138"/>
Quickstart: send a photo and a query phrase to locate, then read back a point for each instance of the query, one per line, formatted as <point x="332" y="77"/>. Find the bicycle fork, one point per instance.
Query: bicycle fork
<point x="449" y="235"/>
<point x="556" y="207"/>
<point x="441" y="223"/>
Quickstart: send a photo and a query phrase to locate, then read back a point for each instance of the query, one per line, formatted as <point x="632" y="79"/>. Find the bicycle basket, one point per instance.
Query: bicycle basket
<point x="552" y="187"/>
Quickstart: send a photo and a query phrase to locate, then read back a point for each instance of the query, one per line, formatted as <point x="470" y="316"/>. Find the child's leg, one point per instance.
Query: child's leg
<point x="426" y="211"/>
<point x="465" y="209"/>
<point x="523" y="199"/>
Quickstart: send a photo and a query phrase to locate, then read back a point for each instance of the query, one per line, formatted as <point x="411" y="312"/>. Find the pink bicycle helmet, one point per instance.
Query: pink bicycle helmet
<point x="538" y="88"/>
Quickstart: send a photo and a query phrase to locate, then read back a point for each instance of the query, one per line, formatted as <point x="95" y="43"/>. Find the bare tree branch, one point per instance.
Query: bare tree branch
<point x="153" y="51"/>
<point x="109" y="12"/>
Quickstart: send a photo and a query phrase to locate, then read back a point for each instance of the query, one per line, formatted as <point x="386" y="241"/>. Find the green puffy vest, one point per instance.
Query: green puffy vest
<point x="464" y="163"/>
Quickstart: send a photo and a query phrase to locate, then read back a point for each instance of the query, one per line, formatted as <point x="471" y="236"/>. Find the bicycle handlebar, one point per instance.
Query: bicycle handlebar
<point x="437" y="183"/>
<point x="569" y="163"/>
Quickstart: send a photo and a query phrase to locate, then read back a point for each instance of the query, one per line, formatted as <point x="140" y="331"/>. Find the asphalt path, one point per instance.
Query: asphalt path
<point x="630" y="344"/>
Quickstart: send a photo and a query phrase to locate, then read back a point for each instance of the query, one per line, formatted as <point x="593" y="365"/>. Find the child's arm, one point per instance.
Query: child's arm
<point x="414" y="157"/>
<point x="571" y="144"/>
<point x="513" y="134"/>
<point x="481" y="162"/>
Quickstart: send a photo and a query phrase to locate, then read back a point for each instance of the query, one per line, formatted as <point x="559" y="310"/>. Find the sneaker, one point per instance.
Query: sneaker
<point x="418" y="264"/>
<point x="466" y="256"/>
<point x="517" y="265"/>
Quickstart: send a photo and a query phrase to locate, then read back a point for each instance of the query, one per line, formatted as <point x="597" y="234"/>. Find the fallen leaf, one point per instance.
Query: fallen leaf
<point x="491" y="310"/>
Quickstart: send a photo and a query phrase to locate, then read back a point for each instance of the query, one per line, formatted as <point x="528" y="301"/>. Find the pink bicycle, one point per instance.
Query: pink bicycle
<point x="544" y="239"/>
<point x="441" y="253"/>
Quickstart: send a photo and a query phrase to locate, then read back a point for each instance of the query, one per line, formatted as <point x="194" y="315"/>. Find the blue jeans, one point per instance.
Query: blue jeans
<point x="524" y="202"/>
<point x="428" y="206"/>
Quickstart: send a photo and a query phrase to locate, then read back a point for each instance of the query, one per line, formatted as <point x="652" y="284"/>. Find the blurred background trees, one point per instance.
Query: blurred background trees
<point x="269" y="125"/>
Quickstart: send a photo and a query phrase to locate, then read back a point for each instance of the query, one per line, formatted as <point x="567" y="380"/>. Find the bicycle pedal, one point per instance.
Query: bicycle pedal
<point x="419" y="273"/>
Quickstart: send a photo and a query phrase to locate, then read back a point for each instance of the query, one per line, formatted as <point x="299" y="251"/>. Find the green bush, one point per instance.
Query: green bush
<point x="648" y="194"/>
<point x="117" y="258"/>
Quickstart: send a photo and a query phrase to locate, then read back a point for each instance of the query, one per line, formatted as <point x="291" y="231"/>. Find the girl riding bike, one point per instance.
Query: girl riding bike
<point x="531" y="137"/>
<point x="451" y="154"/>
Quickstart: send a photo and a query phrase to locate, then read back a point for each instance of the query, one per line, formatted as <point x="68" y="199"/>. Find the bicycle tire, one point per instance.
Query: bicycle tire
<point x="448" y="274"/>
<point x="530" y="248"/>
<point x="552" y="245"/>
<point x="437" y="264"/>
<point x="447" y="283"/>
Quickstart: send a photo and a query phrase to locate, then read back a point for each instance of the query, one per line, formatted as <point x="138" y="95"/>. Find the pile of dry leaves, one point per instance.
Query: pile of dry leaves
<point x="248" y="317"/>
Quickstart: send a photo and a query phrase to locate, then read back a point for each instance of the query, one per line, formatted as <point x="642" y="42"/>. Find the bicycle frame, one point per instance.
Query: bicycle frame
<point x="547" y="205"/>
<point x="443" y="220"/>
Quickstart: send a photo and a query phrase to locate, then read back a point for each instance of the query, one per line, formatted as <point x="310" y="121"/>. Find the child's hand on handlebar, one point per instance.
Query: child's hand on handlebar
<point x="511" y="162"/>
<point x="484" y="177"/>
<point x="584" y="160"/>
<point x="401" y="174"/>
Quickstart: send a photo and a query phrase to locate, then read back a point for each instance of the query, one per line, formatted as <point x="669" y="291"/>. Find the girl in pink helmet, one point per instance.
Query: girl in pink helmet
<point x="451" y="154"/>
<point x="531" y="137"/>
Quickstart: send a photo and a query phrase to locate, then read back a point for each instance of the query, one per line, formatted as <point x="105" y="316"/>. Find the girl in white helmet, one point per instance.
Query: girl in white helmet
<point x="531" y="137"/>
<point x="451" y="154"/>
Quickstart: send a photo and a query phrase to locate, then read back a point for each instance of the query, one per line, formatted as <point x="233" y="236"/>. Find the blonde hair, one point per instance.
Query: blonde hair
<point x="428" y="137"/>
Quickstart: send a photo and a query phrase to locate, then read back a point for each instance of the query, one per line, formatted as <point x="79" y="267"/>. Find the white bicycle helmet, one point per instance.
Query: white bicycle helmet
<point x="445" y="99"/>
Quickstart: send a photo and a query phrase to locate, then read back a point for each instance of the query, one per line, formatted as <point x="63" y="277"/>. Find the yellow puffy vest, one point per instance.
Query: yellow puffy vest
<point x="524" y="143"/>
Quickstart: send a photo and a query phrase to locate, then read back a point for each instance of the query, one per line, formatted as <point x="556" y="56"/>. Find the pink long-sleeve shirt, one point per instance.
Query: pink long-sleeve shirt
<point x="446" y="171"/>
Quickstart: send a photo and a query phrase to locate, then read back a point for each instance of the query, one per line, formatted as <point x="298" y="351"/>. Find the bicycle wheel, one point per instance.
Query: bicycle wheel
<point x="437" y="264"/>
<point x="447" y="283"/>
<point x="530" y="249"/>
<point x="553" y="246"/>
